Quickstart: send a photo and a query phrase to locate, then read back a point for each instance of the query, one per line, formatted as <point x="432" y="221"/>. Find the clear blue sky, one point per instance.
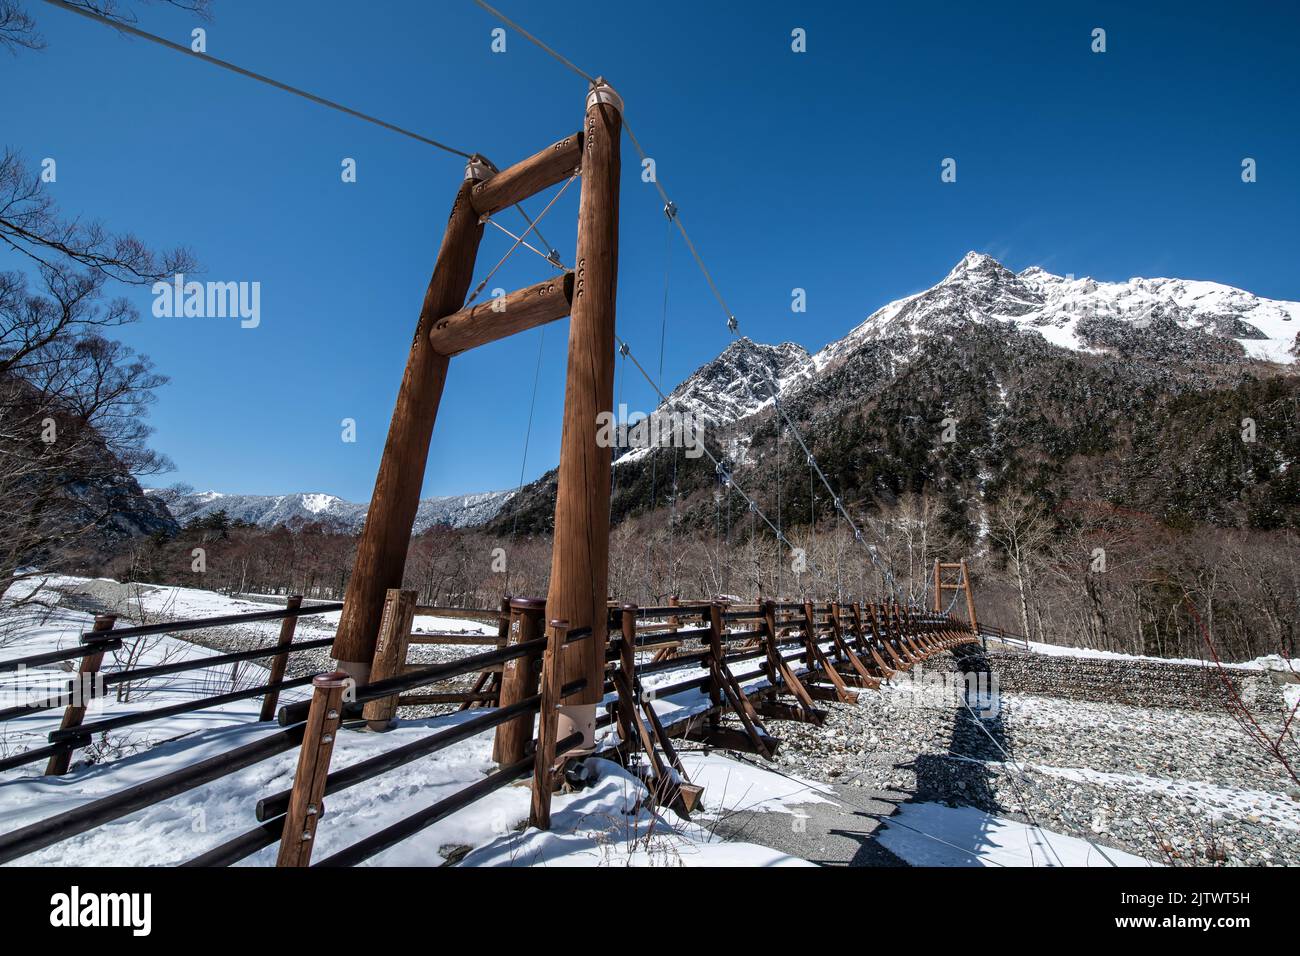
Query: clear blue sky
<point x="818" y="170"/>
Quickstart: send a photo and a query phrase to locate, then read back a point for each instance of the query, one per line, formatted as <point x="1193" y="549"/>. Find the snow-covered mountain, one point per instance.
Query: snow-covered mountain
<point x="1180" y="320"/>
<point x="458" y="511"/>
<point x="1176" y="318"/>
<point x="1063" y="386"/>
<point x="736" y="383"/>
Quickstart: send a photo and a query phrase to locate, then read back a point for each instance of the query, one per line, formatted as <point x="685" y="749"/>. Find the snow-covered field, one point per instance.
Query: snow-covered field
<point x="1273" y="662"/>
<point x="606" y="824"/>
<point x="1089" y="778"/>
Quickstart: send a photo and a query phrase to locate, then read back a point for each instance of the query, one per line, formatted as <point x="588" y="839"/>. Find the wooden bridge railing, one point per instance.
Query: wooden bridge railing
<point x="90" y="680"/>
<point x="773" y="660"/>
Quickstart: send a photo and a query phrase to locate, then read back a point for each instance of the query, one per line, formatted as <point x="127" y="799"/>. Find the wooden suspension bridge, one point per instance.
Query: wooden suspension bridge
<point x="561" y="669"/>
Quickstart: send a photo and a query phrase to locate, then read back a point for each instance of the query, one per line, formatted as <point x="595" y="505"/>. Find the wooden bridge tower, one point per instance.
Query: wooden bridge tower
<point x="580" y="559"/>
<point x="961" y="584"/>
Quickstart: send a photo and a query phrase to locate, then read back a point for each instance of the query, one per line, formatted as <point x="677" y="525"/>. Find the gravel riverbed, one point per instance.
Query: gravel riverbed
<point x="1174" y="786"/>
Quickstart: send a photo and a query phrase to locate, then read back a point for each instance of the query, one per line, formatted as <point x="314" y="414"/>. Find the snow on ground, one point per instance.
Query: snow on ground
<point x="1274" y="662"/>
<point x="609" y="825"/>
<point x="36" y="630"/>
<point x="932" y="834"/>
<point x="732" y="785"/>
<point x="605" y="824"/>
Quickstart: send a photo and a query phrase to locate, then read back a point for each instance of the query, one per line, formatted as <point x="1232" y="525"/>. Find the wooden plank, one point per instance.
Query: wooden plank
<point x="882" y="630"/>
<point x="280" y="661"/>
<point x="519" y="679"/>
<point x="819" y="659"/>
<point x="780" y="710"/>
<point x="740" y="704"/>
<point x="688" y="794"/>
<point x="451" y="697"/>
<point x="455" y="640"/>
<point x="305" y="807"/>
<point x="869" y="646"/>
<point x="846" y="653"/>
<point x="627" y="667"/>
<point x="459" y="613"/>
<point x="548" y="715"/>
<point x="780" y="674"/>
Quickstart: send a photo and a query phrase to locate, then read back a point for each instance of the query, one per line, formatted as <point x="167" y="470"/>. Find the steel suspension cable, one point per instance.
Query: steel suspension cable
<point x="719" y="469"/>
<point x="135" y="31"/>
<point x="732" y="324"/>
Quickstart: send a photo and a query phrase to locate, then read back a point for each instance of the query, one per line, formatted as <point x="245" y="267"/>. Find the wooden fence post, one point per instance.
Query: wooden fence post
<point x="716" y="607"/>
<point x="390" y="654"/>
<point x="548" y="717"/>
<point x="489" y="679"/>
<point x="280" y="661"/>
<point x="82" y="692"/>
<point x="768" y="637"/>
<point x="519" y="679"/>
<point x="305" y="807"/>
<point x="627" y="679"/>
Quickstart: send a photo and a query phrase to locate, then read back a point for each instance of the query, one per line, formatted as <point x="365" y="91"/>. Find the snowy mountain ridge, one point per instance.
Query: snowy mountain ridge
<point x="1179" y="320"/>
<point x="1078" y="313"/>
<point x="457" y="511"/>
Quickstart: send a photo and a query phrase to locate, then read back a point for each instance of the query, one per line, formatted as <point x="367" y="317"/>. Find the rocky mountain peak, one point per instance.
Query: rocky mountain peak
<point x="737" y="382"/>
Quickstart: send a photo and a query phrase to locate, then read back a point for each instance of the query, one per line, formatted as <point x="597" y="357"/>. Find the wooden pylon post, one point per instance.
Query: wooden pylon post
<point x="938" y="588"/>
<point x="580" y="555"/>
<point x="381" y="551"/>
<point x="970" y="598"/>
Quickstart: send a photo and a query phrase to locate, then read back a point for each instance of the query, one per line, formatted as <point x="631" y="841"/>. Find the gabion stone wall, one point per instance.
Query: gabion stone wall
<point x="1141" y="683"/>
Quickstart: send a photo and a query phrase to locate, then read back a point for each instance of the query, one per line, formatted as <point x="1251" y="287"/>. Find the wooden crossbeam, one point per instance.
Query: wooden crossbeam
<point x="498" y="318"/>
<point x="818" y="656"/>
<point x="846" y="653"/>
<point x="782" y="677"/>
<point x="528" y="177"/>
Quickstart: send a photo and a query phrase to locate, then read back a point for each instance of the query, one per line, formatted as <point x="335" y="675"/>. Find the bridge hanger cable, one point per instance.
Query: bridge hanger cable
<point x="732" y="324"/>
<point x="719" y="468"/>
<point x="528" y="434"/>
<point x="532" y="39"/>
<point x="1029" y="781"/>
<point x="259" y="77"/>
<point x="132" y="30"/>
<point x="520" y="240"/>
